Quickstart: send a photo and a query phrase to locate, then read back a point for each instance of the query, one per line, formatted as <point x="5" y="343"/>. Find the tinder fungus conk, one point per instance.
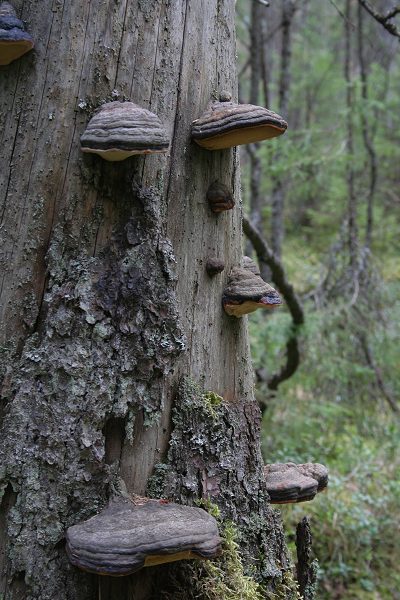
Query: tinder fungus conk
<point x="124" y="537"/>
<point x="122" y="129"/>
<point x="14" y="40"/>
<point x="246" y="292"/>
<point x="226" y="124"/>
<point x="290" y="483"/>
<point x="219" y="197"/>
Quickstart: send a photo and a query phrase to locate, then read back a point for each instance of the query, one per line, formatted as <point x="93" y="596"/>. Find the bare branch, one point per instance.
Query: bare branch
<point x="384" y="20"/>
<point x="266" y="255"/>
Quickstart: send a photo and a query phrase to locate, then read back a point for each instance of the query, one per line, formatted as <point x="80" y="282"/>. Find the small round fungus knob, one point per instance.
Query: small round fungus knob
<point x="214" y="266"/>
<point x="219" y="197"/>
<point x="225" y="96"/>
<point x="14" y="40"/>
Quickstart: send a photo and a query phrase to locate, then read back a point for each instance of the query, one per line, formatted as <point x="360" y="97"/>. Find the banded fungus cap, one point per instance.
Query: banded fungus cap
<point x="124" y="537"/>
<point x="219" y="197"/>
<point x="246" y="292"/>
<point x="291" y="483"/>
<point x="121" y="129"/>
<point x="227" y="124"/>
<point x="248" y="263"/>
<point x="14" y="40"/>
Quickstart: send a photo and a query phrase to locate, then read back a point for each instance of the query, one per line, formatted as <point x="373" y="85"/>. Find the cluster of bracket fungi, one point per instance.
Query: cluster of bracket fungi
<point x="129" y="533"/>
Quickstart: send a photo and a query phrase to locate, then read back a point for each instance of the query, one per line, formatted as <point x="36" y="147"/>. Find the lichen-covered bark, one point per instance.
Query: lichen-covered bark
<point x="105" y="300"/>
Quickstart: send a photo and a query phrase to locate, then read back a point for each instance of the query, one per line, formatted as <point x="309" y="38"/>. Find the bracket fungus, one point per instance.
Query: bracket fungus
<point x="219" y="197"/>
<point x="14" y="40"/>
<point x="246" y="291"/>
<point x="121" y="129"/>
<point x="227" y="124"/>
<point x="289" y="483"/>
<point x="124" y="537"/>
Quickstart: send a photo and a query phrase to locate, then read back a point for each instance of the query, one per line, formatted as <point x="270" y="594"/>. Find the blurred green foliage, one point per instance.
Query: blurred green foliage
<point x="332" y="410"/>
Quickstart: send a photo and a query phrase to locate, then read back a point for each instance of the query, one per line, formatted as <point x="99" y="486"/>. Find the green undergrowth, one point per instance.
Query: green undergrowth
<point x="224" y="578"/>
<point x="332" y="411"/>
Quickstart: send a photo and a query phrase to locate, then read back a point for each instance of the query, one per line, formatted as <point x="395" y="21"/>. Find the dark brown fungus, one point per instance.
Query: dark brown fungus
<point x="246" y="292"/>
<point x="226" y="124"/>
<point x="225" y="96"/>
<point x="248" y="263"/>
<point x="289" y="483"/>
<point x="219" y="197"/>
<point x="14" y="40"/>
<point x="122" y="129"/>
<point x="214" y="266"/>
<point x="124" y="537"/>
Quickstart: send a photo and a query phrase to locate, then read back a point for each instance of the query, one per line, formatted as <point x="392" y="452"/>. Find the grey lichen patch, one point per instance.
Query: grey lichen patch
<point x="107" y="337"/>
<point x="214" y="457"/>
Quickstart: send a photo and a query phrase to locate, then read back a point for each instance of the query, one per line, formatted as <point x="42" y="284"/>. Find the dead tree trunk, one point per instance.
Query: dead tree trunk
<point x="105" y="301"/>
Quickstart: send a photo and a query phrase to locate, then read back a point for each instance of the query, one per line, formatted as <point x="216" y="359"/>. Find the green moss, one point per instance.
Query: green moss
<point x="212" y="401"/>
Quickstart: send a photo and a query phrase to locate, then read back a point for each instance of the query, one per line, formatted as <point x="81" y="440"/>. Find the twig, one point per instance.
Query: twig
<point x="384" y="20"/>
<point x="266" y="255"/>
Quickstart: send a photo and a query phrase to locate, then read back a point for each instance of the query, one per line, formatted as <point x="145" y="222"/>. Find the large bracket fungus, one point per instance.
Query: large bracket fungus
<point x="226" y="124"/>
<point x="14" y="40"/>
<point x="219" y="197"/>
<point x="289" y="483"/>
<point x="246" y="291"/>
<point x="122" y="129"/>
<point x="124" y="537"/>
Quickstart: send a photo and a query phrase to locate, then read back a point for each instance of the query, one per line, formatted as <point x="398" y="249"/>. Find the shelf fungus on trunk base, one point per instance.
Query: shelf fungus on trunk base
<point x="246" y="291"/>
<point x="219" y="197"/>
<point x="124" y="537"/>
<point x="227" y="124"/>
<point x="14" y="40"/>
<point x="289" y="483"/>
<point x="119" y="130"/>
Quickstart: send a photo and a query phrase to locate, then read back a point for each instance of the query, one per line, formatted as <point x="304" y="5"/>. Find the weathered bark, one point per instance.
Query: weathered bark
<point x="105" y="301"/>
<point x="307" y="569"/>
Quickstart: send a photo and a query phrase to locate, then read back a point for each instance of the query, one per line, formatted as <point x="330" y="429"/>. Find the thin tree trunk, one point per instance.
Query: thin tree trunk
<point x="278" y="193"/>
<point x="368" y="140"/>
<point x="352" y="200"/>
<point x="105" y="302"/>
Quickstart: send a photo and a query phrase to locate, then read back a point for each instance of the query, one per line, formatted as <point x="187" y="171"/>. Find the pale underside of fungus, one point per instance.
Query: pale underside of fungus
<point x="119" y="130"/>
<point x="246" y="291"/>
<point x="291" y="483"/>
<point x="226" y="124"/>
<point x="124" y="537"/>
<point x="14" y="41"/>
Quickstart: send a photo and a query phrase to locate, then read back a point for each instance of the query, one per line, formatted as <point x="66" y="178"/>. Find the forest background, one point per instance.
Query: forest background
<point x="326" y="200"/>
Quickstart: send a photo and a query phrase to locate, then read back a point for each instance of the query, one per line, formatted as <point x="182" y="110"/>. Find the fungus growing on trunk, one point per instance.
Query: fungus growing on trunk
<point x="14" y="40"/>
<point x="122" y="129"/>
<point x="289" y="483"/>
<point x="124" y="537"/>
<point x="219" y="197"/>
<point x="227" y="124"/>
<point x="214" y="266"/>
<point x="246" y="291"/>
